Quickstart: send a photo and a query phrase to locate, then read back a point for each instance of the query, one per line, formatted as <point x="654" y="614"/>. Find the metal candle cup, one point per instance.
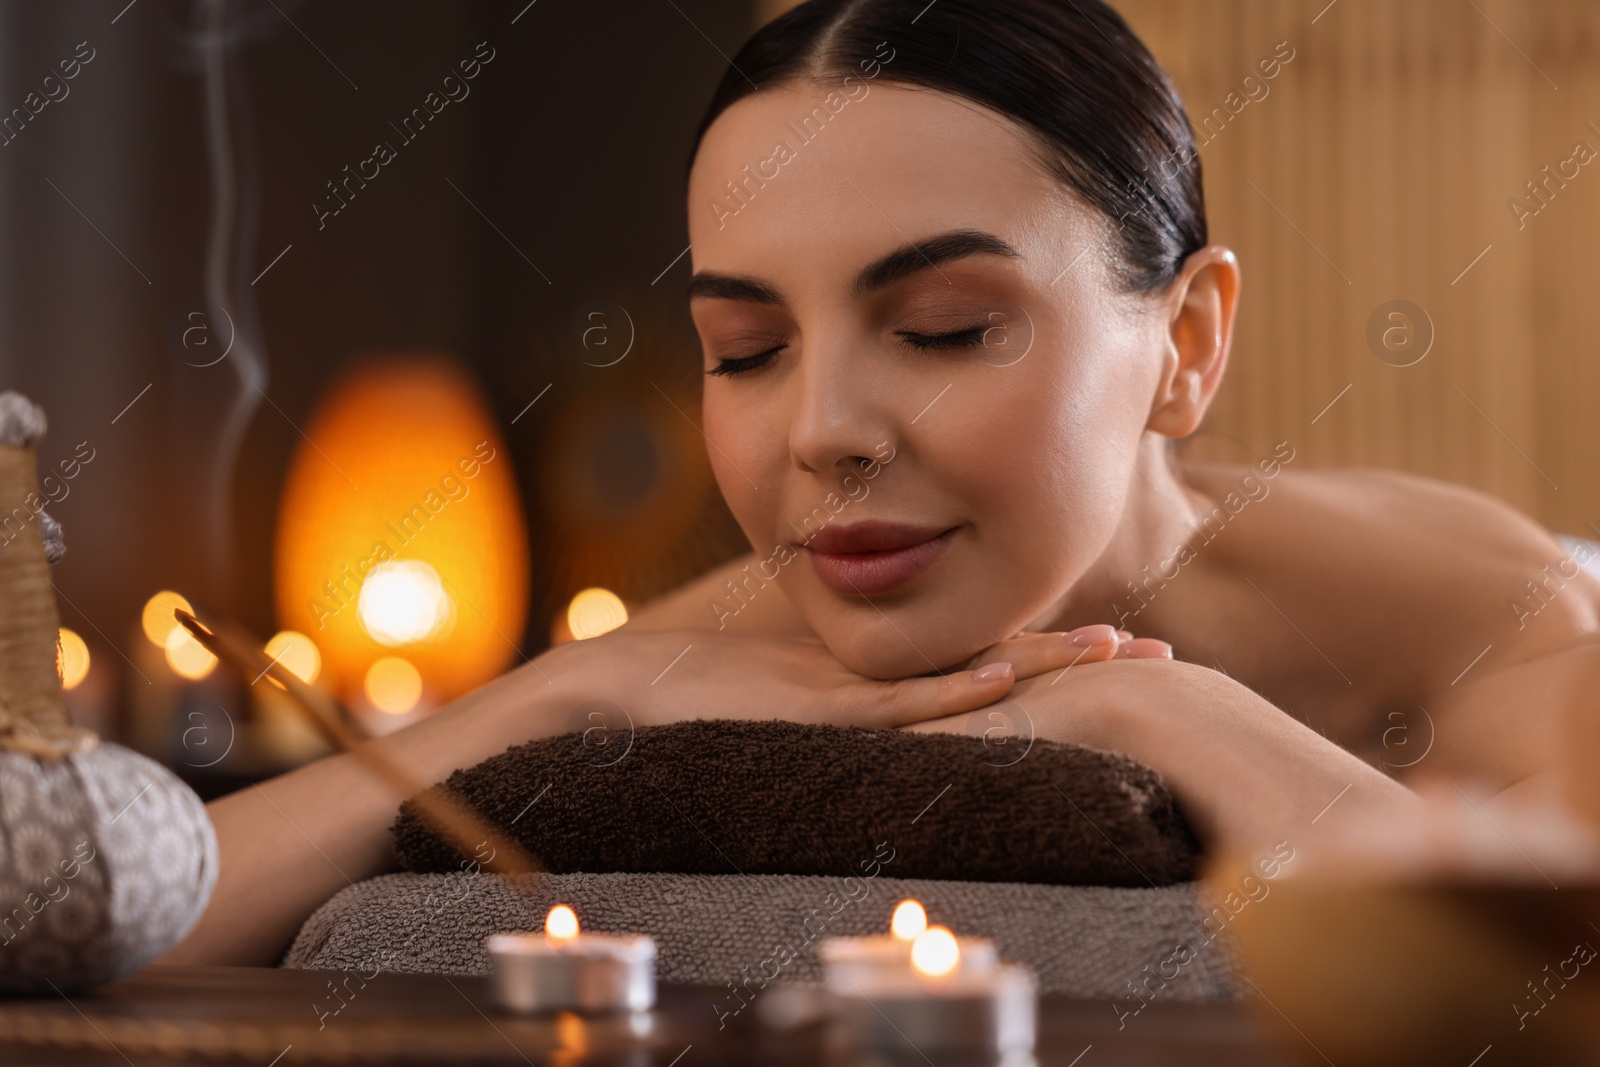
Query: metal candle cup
<point x="939" y="993"/>
<point x="587" y="972"/>
<point x="989" y="1016"/>
<point x="845" y="960"/>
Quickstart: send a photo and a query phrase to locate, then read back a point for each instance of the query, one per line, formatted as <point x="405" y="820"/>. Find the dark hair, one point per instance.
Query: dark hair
<point x="1108" y="119"/>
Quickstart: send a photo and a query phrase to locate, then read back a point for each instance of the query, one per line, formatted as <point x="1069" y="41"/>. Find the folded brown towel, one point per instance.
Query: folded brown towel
<point x="774" y="797"/>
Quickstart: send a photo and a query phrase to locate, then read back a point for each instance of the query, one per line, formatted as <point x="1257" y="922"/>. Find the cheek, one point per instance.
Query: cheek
<point x="746" y="456"/>
<point x="1031" y="456"/>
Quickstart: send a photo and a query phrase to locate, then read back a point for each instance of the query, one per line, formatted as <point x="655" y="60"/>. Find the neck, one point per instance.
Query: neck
<point x="1124" y="586"/>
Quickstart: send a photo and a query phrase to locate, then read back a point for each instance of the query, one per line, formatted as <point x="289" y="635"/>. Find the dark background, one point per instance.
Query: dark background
<point x="572" y="145"/>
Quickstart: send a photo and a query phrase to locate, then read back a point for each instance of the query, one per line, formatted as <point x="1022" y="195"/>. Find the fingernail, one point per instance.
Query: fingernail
<point x="992" y="673"/>
<point x="1097" y="634"/>
<point x="1124" y="635"/>
<point x="1147" y="648"/>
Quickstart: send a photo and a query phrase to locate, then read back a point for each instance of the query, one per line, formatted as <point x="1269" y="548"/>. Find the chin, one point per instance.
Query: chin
<point x="874" y="648"/>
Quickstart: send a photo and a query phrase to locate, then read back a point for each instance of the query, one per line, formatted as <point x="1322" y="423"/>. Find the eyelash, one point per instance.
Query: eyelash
<point x="967" y="338"/>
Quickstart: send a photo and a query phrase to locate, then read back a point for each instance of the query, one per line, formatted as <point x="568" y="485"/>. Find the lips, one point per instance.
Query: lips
<point x="866" y="558"/>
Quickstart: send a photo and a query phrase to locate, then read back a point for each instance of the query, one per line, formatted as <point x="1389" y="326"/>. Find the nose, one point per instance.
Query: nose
<point x="839" y="416"/>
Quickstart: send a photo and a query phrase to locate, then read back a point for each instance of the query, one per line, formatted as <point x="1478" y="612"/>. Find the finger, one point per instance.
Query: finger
<point x="911" y="700"/>
<point x="1039" y="653"/>
<point x="1144" y="648"/>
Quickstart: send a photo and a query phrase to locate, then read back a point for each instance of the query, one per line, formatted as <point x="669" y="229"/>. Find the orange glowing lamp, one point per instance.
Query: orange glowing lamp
<point x="401" y="549"/>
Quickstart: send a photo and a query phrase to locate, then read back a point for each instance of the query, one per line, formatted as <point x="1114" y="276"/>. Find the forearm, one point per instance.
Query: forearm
<point x="292" y="842"/>
<point x="1246" y="773"/>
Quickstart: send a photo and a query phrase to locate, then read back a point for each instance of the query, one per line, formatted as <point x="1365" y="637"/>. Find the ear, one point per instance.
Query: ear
<point x="1198" y="308"/>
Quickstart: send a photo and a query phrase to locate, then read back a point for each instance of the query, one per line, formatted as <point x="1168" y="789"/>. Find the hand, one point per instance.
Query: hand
<point x="1032" y="654"/>
<point x="1084" y="707"/>
<point x="661" y="676"/>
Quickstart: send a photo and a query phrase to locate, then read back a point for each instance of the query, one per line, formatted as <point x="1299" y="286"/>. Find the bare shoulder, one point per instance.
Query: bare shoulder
<point x="729" y="596"/>
<point x="1442" y="566"/>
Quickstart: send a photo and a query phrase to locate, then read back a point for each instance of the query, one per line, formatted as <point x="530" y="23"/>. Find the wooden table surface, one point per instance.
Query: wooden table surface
<point x="267" y="1016"/>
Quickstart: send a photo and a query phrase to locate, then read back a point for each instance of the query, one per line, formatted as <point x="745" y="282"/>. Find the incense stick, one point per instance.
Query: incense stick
<point x="452" y="820"/>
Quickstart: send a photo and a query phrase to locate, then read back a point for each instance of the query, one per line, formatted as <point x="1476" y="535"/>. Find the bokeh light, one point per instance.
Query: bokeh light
<point x="72" y="659"/>
<point x="393" y="685"/>
<point x="157" y="618"/>
<point x="594" y="612"/>
<point x="561" y="923"/>
<point x="935" y="953"/>
<point x="909" y="921"/>
<point x="403" y="602"/>
<point x="297" y="653"/>
<point x="186" y="656"/>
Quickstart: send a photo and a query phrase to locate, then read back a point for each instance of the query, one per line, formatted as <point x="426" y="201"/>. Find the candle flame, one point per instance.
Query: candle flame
<point x="909" y="921"/>
<point x="935" y="953"/>
<point x="561" y="924"/>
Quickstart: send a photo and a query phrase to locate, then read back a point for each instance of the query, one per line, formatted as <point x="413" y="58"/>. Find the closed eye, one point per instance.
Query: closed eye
<point x="730" y="367"/>
<point x="960" y="339"/>
<point x="968" y="338"/>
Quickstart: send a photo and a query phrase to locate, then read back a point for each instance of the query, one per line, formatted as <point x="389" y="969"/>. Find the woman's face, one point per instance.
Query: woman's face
<point x="896" y="364"/>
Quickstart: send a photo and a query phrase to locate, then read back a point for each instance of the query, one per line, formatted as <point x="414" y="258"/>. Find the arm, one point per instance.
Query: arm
<point x="288" y="845"/>
<point x="291" y="843"/>
<point x="1245" y="773"/>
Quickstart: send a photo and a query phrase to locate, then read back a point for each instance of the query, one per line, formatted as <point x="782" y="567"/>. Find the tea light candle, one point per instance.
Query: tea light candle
<point x="565" y="970"/>
<point x="845" y="959"/>
<point x="937" y="1001"/>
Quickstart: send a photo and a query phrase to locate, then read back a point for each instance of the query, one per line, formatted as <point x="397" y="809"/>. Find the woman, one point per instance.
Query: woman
<point x="956" y="300"/>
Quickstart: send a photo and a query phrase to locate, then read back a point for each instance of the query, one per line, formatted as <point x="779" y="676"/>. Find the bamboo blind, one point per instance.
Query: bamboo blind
<point x="1379" y="166"/>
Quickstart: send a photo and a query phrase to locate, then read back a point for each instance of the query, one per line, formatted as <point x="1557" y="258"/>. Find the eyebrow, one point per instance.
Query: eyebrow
<point x="877" y="275"/>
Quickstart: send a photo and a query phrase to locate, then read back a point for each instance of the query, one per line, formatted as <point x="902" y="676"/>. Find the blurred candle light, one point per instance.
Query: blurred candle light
<point x="934" y="953"/>
<point x="870" y="958"/>
<point x="157" y="618"/>
<point x="72" y="659"/>
<point x="561" y="925"/>
<point x="393" y="685"/>
<point x="186" y="656"/>
<point x="403" y="602"/>
<point x="595" y="611"/>
<point x="909" y="921"/>
<point x="297" y="653"/>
